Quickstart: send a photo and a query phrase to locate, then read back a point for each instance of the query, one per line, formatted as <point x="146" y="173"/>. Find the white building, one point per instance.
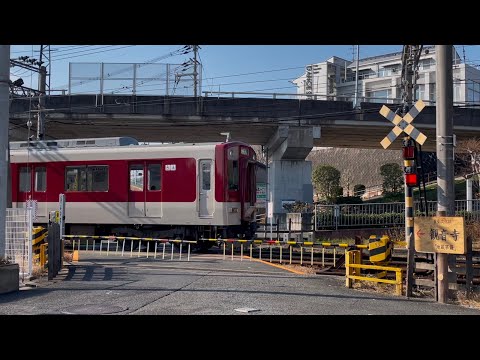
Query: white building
<point x="380" y="79"/>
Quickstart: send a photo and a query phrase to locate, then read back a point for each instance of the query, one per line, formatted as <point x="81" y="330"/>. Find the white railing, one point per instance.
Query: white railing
<point x="18" y="240"/>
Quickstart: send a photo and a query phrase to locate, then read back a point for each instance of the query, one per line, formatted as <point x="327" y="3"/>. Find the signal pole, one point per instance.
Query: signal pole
<point x="4" y="159"/>
<point x="411" y="54"/>
<point x="445" y="177"/>
<point x="42" y="85"/>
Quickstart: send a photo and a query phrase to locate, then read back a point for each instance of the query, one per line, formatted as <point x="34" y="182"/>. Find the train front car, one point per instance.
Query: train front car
<point x="235" y="189"/>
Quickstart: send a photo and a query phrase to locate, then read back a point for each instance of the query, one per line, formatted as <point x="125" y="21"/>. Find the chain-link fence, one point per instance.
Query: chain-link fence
<point x="18" y="247"/>
<point x="134" y="79"/>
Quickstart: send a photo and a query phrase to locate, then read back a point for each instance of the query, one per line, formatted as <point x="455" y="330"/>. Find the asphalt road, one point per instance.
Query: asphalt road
<point x="207" y="285"/>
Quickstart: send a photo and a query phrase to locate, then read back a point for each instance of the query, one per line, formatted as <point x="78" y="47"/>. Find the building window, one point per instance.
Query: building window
<point x="40" y="178"/>
<point x="432" y="92"/>
<point x="420" y="92"/>
<point x="25" y="180"/>
<point x="378" y="96"/>
<point x="86" y="178"/>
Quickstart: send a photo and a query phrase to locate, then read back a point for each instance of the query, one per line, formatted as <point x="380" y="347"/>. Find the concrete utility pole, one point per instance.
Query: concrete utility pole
<point x="4" y="160"/>
<point x="445" y="176"/>
<point x="42" y="85"/>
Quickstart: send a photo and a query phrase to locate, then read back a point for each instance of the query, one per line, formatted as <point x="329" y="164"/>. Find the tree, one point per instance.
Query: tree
<point x="326" y="180"/>
<point x="468" y="158"/>
<point x="359" y="190"/>
<point x="392" y="178"/>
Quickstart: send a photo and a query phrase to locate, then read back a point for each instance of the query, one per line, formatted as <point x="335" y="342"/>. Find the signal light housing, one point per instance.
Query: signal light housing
<point x="411" y="179"/>
<point x="408" y="149"/>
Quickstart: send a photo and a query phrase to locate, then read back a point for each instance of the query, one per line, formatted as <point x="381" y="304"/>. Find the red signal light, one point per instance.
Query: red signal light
<point x="411" y="179"/>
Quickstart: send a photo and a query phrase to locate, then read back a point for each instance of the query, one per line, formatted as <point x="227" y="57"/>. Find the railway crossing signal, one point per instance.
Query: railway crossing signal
<point x="403" y="124"/>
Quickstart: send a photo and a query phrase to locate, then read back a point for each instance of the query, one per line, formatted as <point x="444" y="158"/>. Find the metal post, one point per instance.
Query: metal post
<point x="123" y="247"/>
<point x="355" y="103"/>
<point x="163" y="252"/>
<point x="323" y="256"/>
<point x="270" y="252"/>
<point x="445" y="176"/>
<point x="188" y="252"/>
<point x="155" y="254"/>
<point x="148" y="247"/>
<point x="241" y="252"/>
<point x="42" y="84"/>
<point x="232" y="251"/>
<point x="281" y="257"/>
<point x="251" y="251"/>
<point x="4" y="158"/>
<point x="139" y="247"/>
<point x="224" y="250"/>
<point x="171" y="257"/>
<point x="290" y="255"/>
<point x="469" y="194"/>
<point x="180" y="255"/>
<point x="311" y="257"/>
<point x="409" y="220"/>
<point x="301" y="255"/>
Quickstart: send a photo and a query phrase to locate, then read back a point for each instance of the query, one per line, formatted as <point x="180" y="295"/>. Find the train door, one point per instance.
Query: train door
<point x="32" y="186"/>
<point x="136" y="190"/>
<point x="144" y="193"/>
<point x="205" y="192"/>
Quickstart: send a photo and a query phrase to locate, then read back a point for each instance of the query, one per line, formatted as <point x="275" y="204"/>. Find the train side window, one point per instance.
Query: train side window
<point x="97" y="178"/>
<point x="75" y="178"/>
<point x="25" y="179"/>
<point x="40" y="179"/>
<point x="154" y="177"/>
<point x="136" y="177"/>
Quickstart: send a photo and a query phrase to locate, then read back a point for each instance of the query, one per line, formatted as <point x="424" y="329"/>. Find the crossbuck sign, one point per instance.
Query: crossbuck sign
<point x="403" y="124"/>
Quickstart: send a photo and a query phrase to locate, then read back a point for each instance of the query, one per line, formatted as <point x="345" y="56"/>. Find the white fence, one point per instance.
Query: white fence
<point x="18" y="247"/>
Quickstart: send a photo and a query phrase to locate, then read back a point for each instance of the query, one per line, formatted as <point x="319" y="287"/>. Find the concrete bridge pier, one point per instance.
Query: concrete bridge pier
<point x="289" y="175"/>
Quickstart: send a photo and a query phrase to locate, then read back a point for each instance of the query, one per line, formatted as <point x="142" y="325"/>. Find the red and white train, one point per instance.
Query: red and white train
<point x="113" y="186"/>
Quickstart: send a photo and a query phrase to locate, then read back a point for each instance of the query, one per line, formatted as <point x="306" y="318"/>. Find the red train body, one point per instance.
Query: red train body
<point x="186" y="191"/>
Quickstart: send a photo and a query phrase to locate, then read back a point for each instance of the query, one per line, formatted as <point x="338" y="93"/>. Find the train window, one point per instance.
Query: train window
<point x="154" y="176"/>
<point x="206" y="170"/>
<point x="86" y="178"/>
<point x="232" y="171"/>
<point x="136" y="177"/>
<point x="75" y="178"/>
<point x="97" y="178"/>
<point x="40" y="178"/>
<point x="25" y="180"/>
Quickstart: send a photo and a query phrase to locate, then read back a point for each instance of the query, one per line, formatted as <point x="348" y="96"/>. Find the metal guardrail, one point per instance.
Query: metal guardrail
<point x="381" y="214"/>
<point x="353" y="266"/>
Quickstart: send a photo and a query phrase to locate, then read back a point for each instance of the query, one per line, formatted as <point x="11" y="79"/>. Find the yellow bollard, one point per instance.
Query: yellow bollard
<point x="75" y="255"/>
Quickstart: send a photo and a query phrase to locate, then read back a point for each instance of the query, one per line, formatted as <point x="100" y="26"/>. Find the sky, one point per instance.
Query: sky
<point x="224" y="67"/>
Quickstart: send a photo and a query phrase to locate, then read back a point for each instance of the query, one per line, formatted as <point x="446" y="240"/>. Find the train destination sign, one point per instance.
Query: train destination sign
<point x="444" y="235"/>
